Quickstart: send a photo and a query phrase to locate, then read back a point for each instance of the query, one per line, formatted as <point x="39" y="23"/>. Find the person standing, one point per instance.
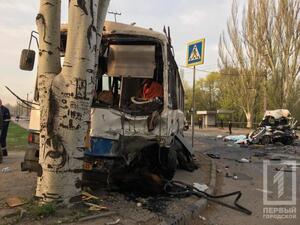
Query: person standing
<point x="230" y="127"/>
<point x="6" y="119"/>
<point x="200" y="123"/>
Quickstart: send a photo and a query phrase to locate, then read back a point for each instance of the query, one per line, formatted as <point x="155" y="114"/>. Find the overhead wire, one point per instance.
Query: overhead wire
<point x="228" y="74"/>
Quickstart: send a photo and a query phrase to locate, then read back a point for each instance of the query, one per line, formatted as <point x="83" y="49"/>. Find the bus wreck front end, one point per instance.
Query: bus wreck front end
<point x="137" y="115"/>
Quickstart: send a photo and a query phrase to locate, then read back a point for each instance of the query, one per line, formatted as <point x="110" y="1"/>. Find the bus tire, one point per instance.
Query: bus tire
<point x="171" y="165"/>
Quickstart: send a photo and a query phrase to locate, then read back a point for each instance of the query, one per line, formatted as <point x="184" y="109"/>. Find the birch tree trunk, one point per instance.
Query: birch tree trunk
<point x="249" y="117"/>
<point x="66" y="94"/>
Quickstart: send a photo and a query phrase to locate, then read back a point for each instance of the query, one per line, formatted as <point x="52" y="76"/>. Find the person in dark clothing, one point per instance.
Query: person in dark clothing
<point x="230" y="127"/>
<point x="200" y="123"/>
<point x="6" y="119"/>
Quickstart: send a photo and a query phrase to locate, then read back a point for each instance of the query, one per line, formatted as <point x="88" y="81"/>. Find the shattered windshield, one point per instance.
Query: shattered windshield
<point x="131" y="77"/>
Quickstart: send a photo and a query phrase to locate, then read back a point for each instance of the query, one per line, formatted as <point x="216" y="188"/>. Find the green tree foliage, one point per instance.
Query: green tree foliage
<point x="207" y="93"/>
<point x="221" y="90"/>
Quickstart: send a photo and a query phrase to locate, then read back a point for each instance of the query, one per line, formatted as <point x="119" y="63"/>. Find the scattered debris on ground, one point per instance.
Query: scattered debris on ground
<point x="200" y="187"/>
<point x="213" y="156"/>
<point x="15" y="201"/>
<point x="235" y="138"/>
<point x="113" y="222"/>
<point x="6" y="170"/>
<point x="107" y="206"/>
<point x="96" y="216"/>
<point x="202" y="218"/>
<point x="244" y="160"/>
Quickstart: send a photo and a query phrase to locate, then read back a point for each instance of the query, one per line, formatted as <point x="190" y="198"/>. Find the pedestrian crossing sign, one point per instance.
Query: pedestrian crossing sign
<point x="195" y="52"/>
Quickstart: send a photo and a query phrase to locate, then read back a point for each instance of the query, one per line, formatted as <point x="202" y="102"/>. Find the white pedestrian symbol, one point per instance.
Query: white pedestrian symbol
<point x="194" y="54"/>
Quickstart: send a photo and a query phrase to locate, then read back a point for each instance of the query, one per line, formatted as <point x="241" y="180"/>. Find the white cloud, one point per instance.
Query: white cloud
<point x="18" y="5"/>
<point x="193" y="17"/>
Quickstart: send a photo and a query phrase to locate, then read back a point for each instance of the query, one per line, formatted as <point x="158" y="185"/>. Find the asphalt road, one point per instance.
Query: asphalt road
<point x="250" y="181"/>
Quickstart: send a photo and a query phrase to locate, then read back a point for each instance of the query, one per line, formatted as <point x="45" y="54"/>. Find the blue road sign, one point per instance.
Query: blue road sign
<point x="195" y="52"/>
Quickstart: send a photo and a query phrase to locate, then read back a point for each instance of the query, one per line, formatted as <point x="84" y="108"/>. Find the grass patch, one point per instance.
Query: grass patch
<point x="16" y="137"/>
<point x="45" y="210"/>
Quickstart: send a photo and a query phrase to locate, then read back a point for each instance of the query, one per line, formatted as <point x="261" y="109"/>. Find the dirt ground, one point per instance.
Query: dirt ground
<point x="130" y="209"/>
<point x="15" y="181"/>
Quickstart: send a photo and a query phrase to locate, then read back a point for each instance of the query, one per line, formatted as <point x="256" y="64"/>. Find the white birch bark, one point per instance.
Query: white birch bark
<point x="48" y="24"/>
<point x="65" y="106"/>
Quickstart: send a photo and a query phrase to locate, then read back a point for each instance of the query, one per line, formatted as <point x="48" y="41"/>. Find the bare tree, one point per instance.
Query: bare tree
<point x="65" y="94"/>
<point x="265" y="49"/>
<point x="279" y="36"/>
<point x="240" y="53"/>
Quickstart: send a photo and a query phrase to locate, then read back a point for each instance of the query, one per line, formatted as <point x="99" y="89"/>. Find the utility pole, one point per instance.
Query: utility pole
<point x="115" y="14"/>
<point x="27" y="109"/>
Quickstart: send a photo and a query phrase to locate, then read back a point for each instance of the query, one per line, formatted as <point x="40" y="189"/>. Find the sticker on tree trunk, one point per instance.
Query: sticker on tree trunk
<point x="81" y="87"/>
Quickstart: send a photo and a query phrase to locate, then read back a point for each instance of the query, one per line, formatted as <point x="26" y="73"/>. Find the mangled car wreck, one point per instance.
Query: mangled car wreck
<point x="137" y="119"/>
<point x="276" y="126"/>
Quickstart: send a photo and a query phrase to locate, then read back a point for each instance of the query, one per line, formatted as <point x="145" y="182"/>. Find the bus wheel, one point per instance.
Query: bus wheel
<point x="169" y="169"/>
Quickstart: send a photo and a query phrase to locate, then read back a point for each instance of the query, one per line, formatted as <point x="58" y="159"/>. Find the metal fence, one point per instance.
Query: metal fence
<point x="239" y="125"/>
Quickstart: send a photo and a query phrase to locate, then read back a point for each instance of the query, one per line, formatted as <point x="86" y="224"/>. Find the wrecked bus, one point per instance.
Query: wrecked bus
<point x="137" y="115"/>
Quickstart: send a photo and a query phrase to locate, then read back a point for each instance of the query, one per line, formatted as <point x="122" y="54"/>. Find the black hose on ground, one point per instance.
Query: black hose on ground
<point x="181" y="189"/>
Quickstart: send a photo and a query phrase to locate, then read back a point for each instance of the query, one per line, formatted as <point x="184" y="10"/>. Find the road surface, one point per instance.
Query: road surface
<point x="250" y="182"/>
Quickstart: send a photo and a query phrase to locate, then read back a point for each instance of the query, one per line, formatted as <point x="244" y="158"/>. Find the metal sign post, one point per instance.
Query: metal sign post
<point x="193" y="115"/>
<point x="195" y="56"/>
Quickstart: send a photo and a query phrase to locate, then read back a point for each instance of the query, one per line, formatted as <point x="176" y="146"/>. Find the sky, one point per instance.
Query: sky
<point x="188" y="19"/>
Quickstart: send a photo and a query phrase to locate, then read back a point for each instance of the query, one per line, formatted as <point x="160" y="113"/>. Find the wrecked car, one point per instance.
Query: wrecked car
<point x="276" y="126"/>
<point x="137" y="119"/>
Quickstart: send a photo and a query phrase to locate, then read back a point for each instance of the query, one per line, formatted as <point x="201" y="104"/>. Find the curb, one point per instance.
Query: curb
<point x="194" y="209"/>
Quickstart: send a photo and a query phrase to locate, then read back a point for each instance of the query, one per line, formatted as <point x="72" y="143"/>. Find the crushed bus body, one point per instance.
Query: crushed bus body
<point x="137" y="118"/>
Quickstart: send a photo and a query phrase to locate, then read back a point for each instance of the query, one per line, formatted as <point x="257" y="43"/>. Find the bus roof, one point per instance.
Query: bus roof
<point x="121" y="28"/>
